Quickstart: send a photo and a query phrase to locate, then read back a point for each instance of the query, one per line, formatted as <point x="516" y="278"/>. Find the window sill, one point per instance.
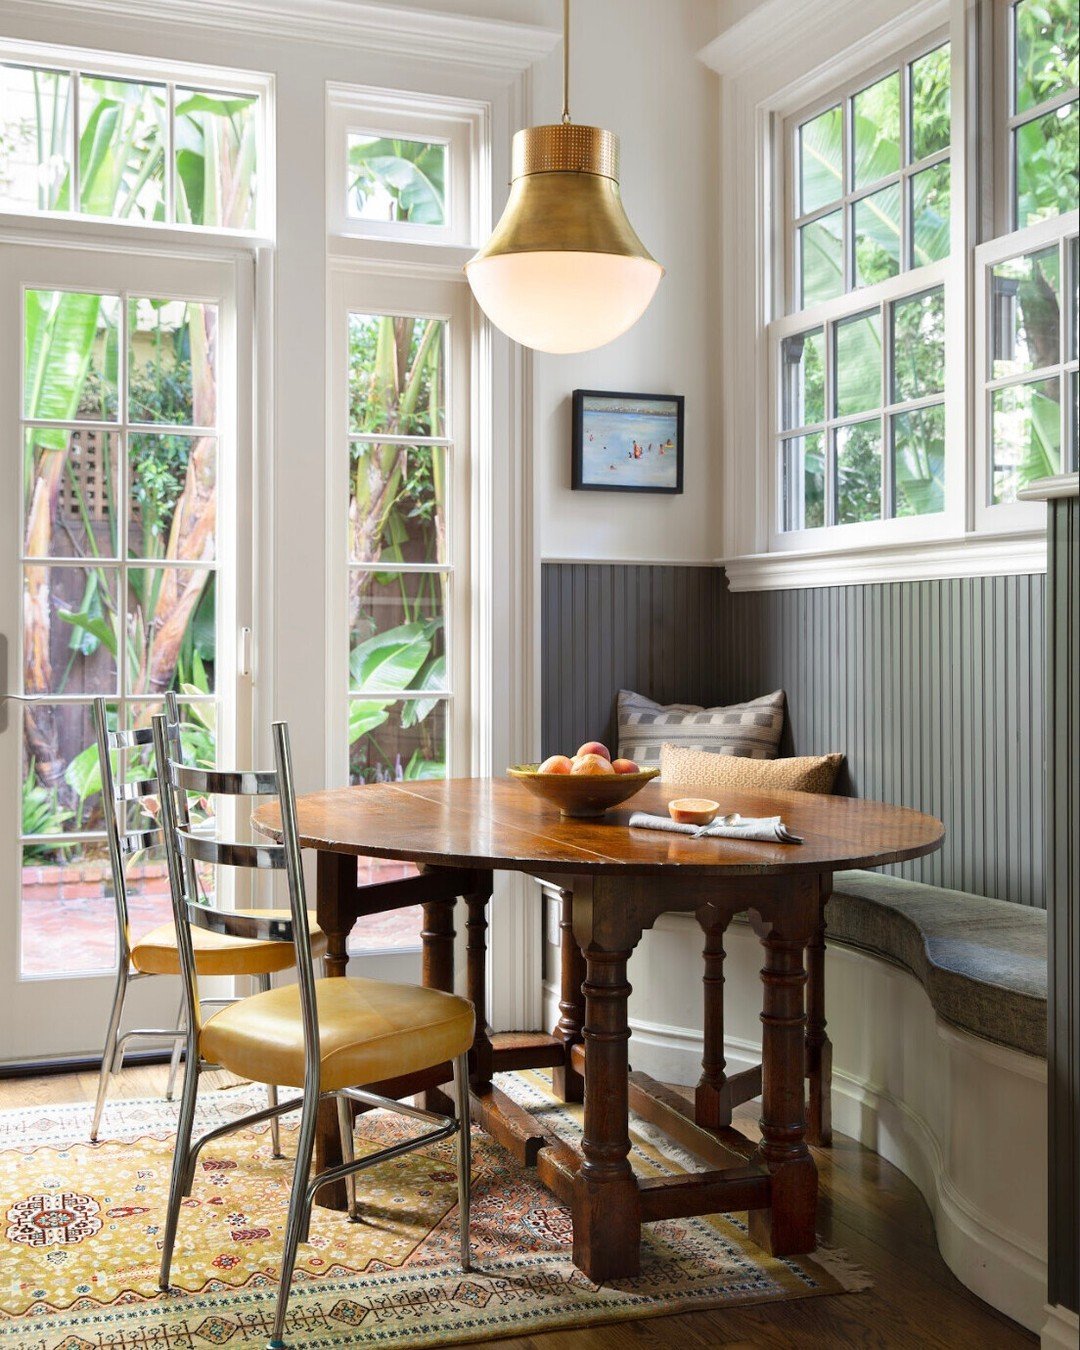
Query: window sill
<point x="973" y="555"/>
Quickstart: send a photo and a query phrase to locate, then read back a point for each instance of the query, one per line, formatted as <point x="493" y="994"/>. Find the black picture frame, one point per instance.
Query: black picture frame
<point x="582" y="479"/>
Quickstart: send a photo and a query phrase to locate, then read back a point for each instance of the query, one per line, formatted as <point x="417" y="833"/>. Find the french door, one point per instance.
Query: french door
<point x="126" y="573"/>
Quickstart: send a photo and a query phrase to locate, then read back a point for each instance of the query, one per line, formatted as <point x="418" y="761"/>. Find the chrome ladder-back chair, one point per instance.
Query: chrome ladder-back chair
<point x="328" y="1037"/>
<point x="156" y="952"/>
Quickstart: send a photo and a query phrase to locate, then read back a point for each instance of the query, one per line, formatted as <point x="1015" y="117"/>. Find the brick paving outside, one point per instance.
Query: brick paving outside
<point x="69" y="922"/>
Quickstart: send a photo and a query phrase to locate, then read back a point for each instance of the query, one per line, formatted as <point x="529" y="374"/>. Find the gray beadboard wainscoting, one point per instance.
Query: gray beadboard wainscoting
<point x="1063" y="895"/>
<point x="933" y="689"/>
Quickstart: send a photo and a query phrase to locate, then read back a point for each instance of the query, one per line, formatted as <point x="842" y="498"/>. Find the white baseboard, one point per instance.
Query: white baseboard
<point x="1061" y="1330"/>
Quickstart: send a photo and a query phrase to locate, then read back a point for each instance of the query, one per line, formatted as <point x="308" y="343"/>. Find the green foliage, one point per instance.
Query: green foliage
<point x="1047" y="48"/>
<point x="858" y="472"/>
<point x="41" y="814"/>
<point x="410" y="174"/>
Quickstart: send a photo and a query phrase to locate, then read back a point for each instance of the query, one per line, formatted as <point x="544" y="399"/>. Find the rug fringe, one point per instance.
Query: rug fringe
<point x="842" y="1268"/>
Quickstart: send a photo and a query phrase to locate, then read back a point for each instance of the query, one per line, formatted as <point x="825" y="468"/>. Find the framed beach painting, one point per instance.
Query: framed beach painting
<point x="627" y="442"/>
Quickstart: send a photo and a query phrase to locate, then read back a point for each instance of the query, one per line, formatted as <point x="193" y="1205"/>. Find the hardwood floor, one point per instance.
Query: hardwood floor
<point x="867" y="1207"/>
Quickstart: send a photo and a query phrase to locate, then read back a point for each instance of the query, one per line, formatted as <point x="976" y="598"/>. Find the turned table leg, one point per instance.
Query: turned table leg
<point x="566" y="1082"/>
<point x="334" y="890"/>
<point x="476" y="976"/>
<point x="712" y="1099"/>
<point x="437" y="972"/>
<point x="818" y="1045"/>
<point x="606" y="1202"/>
<point x="787" y="1227"/>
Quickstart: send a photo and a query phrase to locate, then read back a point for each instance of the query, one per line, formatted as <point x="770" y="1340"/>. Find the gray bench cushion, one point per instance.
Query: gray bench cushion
<point x="982" y="962"/>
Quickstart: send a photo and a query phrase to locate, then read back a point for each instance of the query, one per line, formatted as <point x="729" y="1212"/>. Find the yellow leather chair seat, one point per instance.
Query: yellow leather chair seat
<point x="368" y="1031"/>
<point x="156" y="952"/>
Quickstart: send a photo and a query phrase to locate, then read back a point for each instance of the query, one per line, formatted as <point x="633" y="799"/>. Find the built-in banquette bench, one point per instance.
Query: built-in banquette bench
<point x="982" y="962"/>
<point x="936" y="1007"/>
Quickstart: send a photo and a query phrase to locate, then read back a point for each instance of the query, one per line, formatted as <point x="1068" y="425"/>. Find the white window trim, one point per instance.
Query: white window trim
<point x="90" y="61"/>
<point x="774" y="63"/>
<point x="1024" y="513"/>
<point x="461" y="124"/>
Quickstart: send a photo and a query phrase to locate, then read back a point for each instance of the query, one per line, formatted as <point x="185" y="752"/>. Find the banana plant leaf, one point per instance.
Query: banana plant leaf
<point x="390" y="661"/>
<point x="365" y="717"/>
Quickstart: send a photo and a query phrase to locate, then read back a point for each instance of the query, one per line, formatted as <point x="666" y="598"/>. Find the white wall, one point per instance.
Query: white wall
<point x="635" y="72"/>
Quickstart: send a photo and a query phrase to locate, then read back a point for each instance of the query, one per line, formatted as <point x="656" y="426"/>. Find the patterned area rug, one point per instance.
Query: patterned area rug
<point x="82" y="1222"/>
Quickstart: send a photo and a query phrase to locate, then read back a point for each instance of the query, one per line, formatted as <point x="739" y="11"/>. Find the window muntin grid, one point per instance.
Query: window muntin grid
<point x="109" y="464"/>
<point x="401" y="573"/>
<point x="862" y="415"/>
<point x="864" y="210"/>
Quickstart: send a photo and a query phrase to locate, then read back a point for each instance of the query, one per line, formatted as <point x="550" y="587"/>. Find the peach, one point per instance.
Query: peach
<point x="624" y="766"/>
<point x="594" y="748"/>
<point x="591" y="764"/>
<point x="556" y="764"/>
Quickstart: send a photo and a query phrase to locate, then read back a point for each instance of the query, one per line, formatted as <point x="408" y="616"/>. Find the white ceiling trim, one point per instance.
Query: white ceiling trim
<point x="488" y="44"/>
<point x="777" y="32"/>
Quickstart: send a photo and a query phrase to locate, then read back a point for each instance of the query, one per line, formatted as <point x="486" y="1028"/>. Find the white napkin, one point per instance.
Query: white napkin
<point x="766" y="829"/>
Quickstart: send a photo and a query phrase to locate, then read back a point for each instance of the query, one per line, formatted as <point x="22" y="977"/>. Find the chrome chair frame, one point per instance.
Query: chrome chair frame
<point x="183" y="849"/>
<point x="123" y="843"/>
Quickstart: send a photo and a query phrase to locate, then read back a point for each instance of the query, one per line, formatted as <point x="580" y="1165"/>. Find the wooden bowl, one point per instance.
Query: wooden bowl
<point x="580" y="795"/>
<point x="693" y="810"/>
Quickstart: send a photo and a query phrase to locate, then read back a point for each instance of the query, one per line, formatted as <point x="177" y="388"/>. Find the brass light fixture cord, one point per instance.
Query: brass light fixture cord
<point x="566" y="62"/>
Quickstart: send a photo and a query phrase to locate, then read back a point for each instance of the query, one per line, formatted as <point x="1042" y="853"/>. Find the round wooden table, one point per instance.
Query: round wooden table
<point x="615" y="882"/>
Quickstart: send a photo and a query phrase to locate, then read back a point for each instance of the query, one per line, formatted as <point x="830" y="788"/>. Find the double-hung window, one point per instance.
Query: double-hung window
<point x="919" y="378"/>
<point x="858" y="361"/>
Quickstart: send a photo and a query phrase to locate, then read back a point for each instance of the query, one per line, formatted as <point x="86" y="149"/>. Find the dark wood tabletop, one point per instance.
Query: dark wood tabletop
<point x="495" y="823"/>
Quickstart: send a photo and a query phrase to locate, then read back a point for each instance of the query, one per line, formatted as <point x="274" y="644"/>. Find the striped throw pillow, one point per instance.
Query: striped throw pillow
<point x="749" y="729"/>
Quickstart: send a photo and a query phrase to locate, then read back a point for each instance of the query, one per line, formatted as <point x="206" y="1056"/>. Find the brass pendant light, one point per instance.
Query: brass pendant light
<point x="563" y="270"/>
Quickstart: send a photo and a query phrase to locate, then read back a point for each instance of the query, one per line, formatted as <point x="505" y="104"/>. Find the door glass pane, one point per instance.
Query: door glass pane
<point x="930" y="196"/>
<point x="172" y="500"/>
<point x="876" y="126"/>
<point x="35" y="139"/>
<point x="1026" y="436"/>
<point x="930" y="100"/>
<point x="68" y="915"/>
<point x="858" y="472"/>
<point x="171" y="629"/>
<point x="1026" y="313"/>
<point x="398" y="636"/>
<point x="393" y="179"/>
<point x="821" y="160"/>
<point x="804" y="482"/>
<point x="821" y="259"/>
<point x="216" y="140"/>
<point x="918" y="346"/>
<point x="70" y="627"/>
<point x="858" y="364"/>
<point x="70" y="495"/>
<point x="877" y="236"/>
<point x="70" y="355"/>
<point x="122" y="138"/>
<point x="1046" y="165"/>
<point x="918" y="461"/>
<point x="397" y="503"/>
<point x="802" y="359"/>
<point x="1046" y="47"/>
<point x="394" y="741"/>
<point x="61" y="774"/>
<point x="171" y="375"/>
<point x="397" y="375"/>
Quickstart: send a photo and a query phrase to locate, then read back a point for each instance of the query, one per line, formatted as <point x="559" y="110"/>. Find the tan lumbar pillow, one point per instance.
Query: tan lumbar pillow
<point x="702" y="769"/>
